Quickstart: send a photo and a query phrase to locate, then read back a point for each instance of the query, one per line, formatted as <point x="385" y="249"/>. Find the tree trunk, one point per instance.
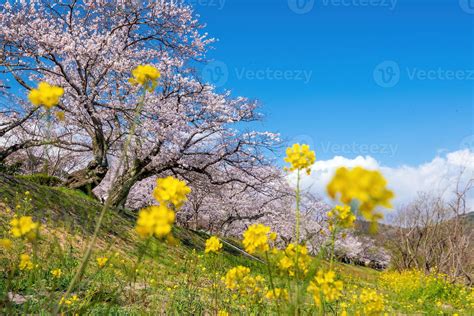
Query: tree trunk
<point x="122" y="186"/>
<point x="91" y="176"/>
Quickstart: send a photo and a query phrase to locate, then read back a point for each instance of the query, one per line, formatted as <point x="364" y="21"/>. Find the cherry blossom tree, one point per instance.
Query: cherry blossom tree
<point x="89" y="48"/>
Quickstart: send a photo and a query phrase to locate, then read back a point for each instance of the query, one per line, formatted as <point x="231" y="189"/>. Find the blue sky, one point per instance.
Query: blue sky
<point x="385" y="78"/>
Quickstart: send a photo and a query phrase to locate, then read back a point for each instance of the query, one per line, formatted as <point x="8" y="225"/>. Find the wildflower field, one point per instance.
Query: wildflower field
<point x="189" y="272"/>
<point x="130" y="186"/>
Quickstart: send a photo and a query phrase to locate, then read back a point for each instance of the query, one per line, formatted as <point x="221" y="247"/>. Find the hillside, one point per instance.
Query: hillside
<point x="175" y="277"/>
<point x="67" y="219"/>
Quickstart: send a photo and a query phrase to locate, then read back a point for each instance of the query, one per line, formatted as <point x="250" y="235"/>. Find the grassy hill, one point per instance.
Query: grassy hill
<point x="173" y="277"/>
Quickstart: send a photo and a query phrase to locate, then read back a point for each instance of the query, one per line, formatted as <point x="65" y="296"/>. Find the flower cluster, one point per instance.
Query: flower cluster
<point x="239" y="279"/>
<point x="158" y="220"/>
<point x="213" y="244"/>
<point x="366" y="187"/>
<point x="277" y="294"/>
<point x="293" y="253"/>
<point x="102" y="261"/>
<point x="325" y="285"/>
<point x="5" y="243"/>
<point x="23" y="227"/>
<point x="25" y="262"/>
<point x="155" y="220"/>
<point x="341" y="216"/>
<point x="170" y="190"/>
<point x="69" y="301"/>
<point x="372" y="301"/>
<point x="56" y="273"/>
<point x="300" y="157"/>
<point x="256" y="238"/>
<point x="146" y="76"/>
<point x="46" y="95"/>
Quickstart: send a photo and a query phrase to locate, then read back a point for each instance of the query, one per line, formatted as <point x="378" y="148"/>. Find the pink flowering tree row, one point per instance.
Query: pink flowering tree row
<point x="187" y="128"/>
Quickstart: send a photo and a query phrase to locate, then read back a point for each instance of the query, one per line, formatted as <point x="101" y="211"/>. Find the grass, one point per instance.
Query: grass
<point x="173" y="278"/>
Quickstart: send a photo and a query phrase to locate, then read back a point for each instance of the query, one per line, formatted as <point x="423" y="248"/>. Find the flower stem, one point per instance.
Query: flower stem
<point x="267" y="259"/>
<point x="84" y="262"/>
<point x="298" y="220"/>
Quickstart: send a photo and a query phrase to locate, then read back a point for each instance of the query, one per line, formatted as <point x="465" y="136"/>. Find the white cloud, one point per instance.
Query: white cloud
<point x="438" y="176"/>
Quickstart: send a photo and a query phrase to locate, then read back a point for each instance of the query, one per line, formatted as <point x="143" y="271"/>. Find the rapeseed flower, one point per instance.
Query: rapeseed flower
<point x="300" y="157"/>
<point x="23" y="227"/>
<point x="256" y="238"/>
<point x="70" y="301"/>
<point x="325" y="285"/>
<point x="56" y="273"/>
<point x="155" y="220"/>
<point x="170" y="190"/>
<point x="46" y="95"/>
<point x="366" y="187"/>
<point x="102" y="261"/>
<point x="372" y="301"/>
<point x="288" y="262"/>
<point x="146" y="76"/>
<point x="341" y="216"/>
<point x="213" y="244"/>
<point x="25" y="262"/>
<point x="239" y="279"/>
<point x="234" y="276"/>
<point x="5" y="243"/>
<point x="277" y="294"/>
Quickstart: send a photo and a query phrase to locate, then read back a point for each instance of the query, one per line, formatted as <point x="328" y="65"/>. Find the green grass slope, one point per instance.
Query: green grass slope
<point x="173" y="277"/>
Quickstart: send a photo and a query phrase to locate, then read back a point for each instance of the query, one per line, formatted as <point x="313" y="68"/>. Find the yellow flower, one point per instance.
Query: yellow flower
<point x="213" y="244"/>
<point x="277" y="294"/>
<point x="372" y="301"/>
<point x="157" y="220"/>
<point x="25" y="262"/>
<point x="325" y="285"/>
<point x="367" y="188"/>
<point x="256" y="238"/>
<point x="5" y="243"/>
<point x="341" y="216"/>
<point x="288" y="262"/>
<point x="23" y="227"/>
<point x="102" y="261"/>
<point x="300" y="157"/>
<point x="56" y="273"/>
<point x="46" y="95"/>
<point x="171" y="190"/>
<point x="222" y="313"/>
<point x="145" y="75"/>
<point x="234" y="277"/>
<point x="69" y="301"/>
<point x="239" y="279"/>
